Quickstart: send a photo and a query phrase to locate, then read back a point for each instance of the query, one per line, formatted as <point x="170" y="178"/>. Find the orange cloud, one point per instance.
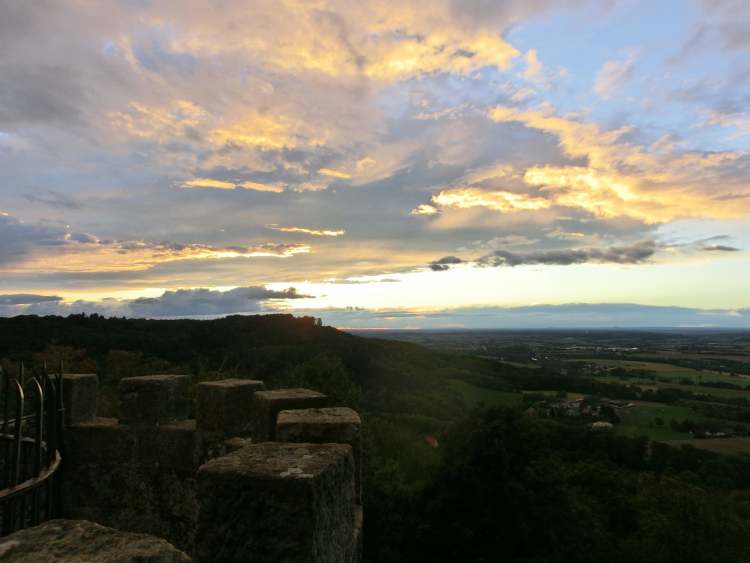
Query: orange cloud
<point x="274" y="187"/>
<point x="334" y="173"/>
<point x="497" y="200"/>
<point x="159" y="123"/>
<point x="655" y="184"/>
<point x="118" y="256"/>
<point x="424" y="209"/>
<point x="380" y="41"/>
<point x="314" y="232"/>
<point x="209" y="183"/>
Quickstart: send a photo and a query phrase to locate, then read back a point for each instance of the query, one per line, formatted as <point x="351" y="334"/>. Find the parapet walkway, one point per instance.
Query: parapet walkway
<point x="257" y="475"/>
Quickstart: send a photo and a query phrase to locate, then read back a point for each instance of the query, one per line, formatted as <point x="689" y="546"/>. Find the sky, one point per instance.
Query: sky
<point x="380" y="163"/>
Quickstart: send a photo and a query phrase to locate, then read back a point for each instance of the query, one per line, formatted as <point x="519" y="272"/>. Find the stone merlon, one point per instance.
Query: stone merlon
<point x="275" y="502"/>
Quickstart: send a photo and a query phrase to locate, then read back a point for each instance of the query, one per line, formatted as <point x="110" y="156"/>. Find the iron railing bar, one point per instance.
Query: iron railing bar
<point x="38" y="452"/>
<point x="25" y="486"/>
<point x="30" y="447"/>
<point x="6" y="394"/>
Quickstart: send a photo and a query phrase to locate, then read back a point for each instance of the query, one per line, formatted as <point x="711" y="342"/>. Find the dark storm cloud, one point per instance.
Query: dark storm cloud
<point x="27" y="299"/>
<point x="184" y="302"/>
<point x="19" y="239"/>
<point x="445" y="263"/>
<point x="719" y="248"/>
<point x="633" y="254"/>
<point x="714" y="244"/>
<point x="180" y="303"/>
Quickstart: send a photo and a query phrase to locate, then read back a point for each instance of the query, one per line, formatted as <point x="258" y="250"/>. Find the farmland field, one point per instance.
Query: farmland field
<point x="674" y="372"/>
<point x="643" y="420"/>
<point x="719" y="445"/>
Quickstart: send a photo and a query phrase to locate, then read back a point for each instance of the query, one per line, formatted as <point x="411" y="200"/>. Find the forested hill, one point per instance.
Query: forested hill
<point x="373" y="374"/>
<point x="173" y="340"/>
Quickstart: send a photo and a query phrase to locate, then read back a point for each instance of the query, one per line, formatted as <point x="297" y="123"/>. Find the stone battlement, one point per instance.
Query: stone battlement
<point x="216" y="483"/>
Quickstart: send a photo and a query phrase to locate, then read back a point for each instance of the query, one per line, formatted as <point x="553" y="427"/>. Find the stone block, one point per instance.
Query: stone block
<point x="79" y="396"/>
<point x="225" y="406"/>
<point x="320" y="426"/>
<point x="154" y="399"/>
<point x="275" y="501"/>
<point x="170" y="446"/>
<point x="99" y="441"/>
<point x="57" y="541"/>
<point x="268" y="404"/>
<point x="234" y="444"/>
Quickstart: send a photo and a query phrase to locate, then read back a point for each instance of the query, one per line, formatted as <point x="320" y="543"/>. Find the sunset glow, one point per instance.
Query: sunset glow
<point x="377" y="164"/>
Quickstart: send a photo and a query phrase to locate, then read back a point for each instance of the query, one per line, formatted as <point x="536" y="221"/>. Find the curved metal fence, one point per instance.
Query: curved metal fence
<point x="31" y="442"/>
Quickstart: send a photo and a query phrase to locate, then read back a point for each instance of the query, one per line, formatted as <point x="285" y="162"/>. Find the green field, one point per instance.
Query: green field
<point x="674" y="372"/>
<point x="641" y="420"/>
<point x="733" y="445"/>
<point x="698" y="389"/>
<point x="474" y="395"/>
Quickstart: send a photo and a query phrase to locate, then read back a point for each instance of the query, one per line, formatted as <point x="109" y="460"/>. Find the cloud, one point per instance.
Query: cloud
<point x="313" y="232"/>
<point x="334" y="173"/>
<point x="614" y="74"/>
<point x="40" y="94"/>
<point x="719" y="248"/>
<point x="30" y="247"/>
<point x="138" y="100"/>
<point x="496" y="200"/>
<point x="161" y="124"/>
<point x="633" y="254"/>
<point x="652" y="183"/>
<point x="193" y="302"/>
<point x="177" y="303"/>
<point x="738" y="120"/>
<point x="424" y="209"/>
<point x="209" y="183"/>
<point x="534" y="70"/>
<point x="19" y="239"/>
<point x="729" y="20"/>
<point x="539" y="317"/>
<point x="275" y="187"/>
<point x="55" y="199"/>
<point x="445" y="263"/>
<point x="27" y="299"/>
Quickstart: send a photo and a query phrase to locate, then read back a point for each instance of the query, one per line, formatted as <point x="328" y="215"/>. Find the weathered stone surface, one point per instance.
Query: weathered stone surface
<point x="133" y="478"/>
<point x="79" y="541"/>
<point x="356" y="556"/>
<point x="225" y="406"/>
<point x="268" y="404"/>
<point x="102" y="440"/>
<point x="154" y="399"/>
<point x="320" y="426"/>
<point x="273" y="502"/>
<point x="129" y="497"/>
<point x="172" y="446"/>
<point x="333" y="424"/>
<point x="79" y="396"/>
<point x="234" y="444"/>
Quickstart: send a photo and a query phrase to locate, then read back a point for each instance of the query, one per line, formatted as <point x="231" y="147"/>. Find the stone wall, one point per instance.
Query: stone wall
<point x="216" y="484"/>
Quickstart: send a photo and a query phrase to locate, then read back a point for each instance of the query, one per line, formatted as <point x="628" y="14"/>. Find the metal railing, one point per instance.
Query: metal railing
<point x="31" y="443"/>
